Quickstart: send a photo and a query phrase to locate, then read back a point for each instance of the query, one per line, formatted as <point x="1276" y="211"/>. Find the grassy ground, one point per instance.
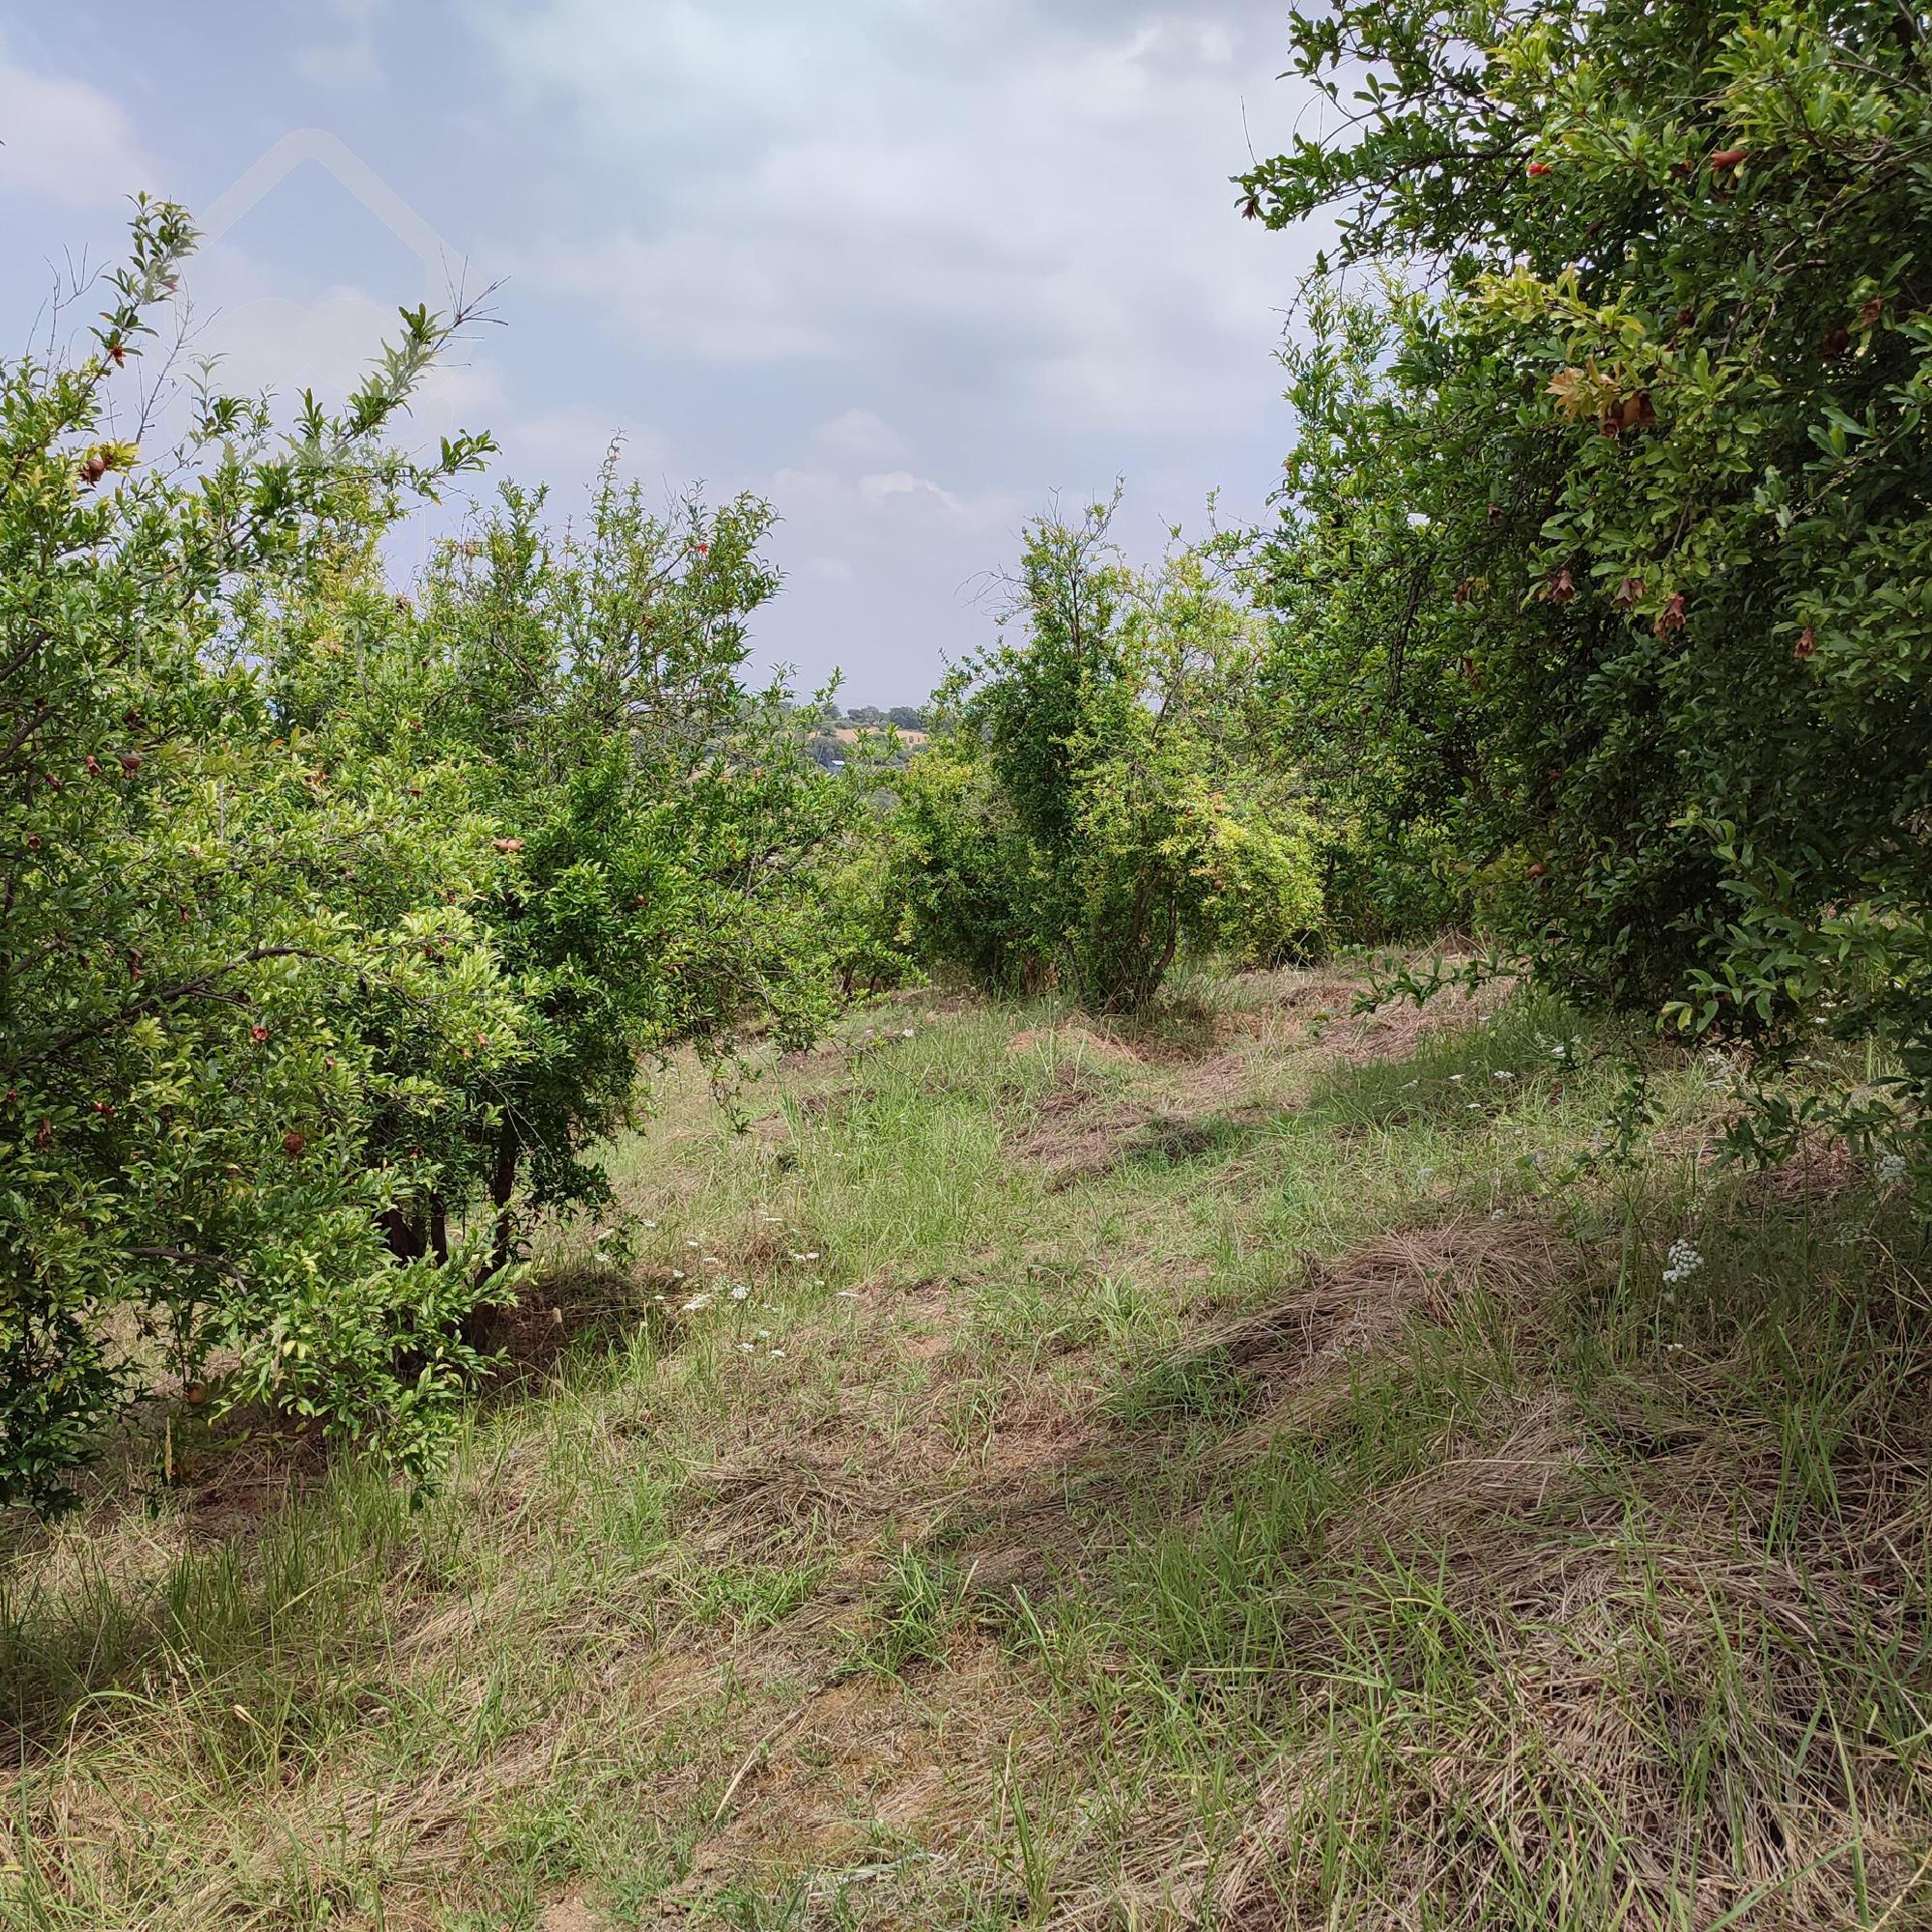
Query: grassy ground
<point x="1231" y="1473"/>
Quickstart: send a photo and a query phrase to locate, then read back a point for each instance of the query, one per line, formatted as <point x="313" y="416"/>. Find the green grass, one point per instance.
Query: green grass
<point x="1239" y="1470"/>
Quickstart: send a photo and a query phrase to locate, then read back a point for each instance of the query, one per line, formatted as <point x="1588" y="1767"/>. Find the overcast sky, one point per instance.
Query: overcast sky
<point x="907" y="267"/>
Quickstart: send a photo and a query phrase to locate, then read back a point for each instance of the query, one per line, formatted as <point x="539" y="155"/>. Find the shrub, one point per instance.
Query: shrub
<point x="215" y="930"/>
<point x="1087" y="803"/>
<point x="670" y="838"/>
<point x="330" y="916"/>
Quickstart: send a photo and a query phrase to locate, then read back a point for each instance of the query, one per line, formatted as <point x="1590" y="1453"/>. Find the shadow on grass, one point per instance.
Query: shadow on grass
<point x="569" y="1312"/>
<point x="1475" y="1527"/>
<point x="282" y="1546"/>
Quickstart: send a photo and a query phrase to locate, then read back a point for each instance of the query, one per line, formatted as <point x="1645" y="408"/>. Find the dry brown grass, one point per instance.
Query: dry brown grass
<point x="1260" y="1540"/>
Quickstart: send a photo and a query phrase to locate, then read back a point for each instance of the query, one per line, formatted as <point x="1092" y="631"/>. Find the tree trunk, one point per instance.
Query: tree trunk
<point x="404" y="1234"/>
<point x="502" y="1189"/>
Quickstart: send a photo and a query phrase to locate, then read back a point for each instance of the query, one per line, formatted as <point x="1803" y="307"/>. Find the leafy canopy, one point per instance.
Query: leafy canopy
<point x="1616" y="503"/>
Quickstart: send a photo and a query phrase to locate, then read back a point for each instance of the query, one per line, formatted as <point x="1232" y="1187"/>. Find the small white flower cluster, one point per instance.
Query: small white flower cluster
<point x="1681" y="1262"/>
<point x="1890" y="1170"/>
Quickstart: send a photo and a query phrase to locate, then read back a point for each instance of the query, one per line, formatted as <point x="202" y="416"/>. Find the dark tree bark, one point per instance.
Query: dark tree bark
<point x="502" y="1187"/>
<point x="408" y="1240"/>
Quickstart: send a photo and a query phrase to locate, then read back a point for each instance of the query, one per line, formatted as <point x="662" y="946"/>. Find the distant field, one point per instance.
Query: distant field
<point x="851" y="734"/>
<point x="1231" y="1471"/>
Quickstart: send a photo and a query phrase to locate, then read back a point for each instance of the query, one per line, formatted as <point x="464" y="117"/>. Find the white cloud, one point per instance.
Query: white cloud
<point x="257" y="339"/>
<point x="707" y="293"/>
<point x="859" y="436"/>
<point x="1040" y="214"/>
<point x="886" y="505"/>
<point x="261" y="338"/>
<point x="880" y="489"/>
<point x="908" y="267"/>
<point x="1007" y="229"/>
<point x="349" y="62"/>
<point x="889" y="566"/>
<point x="567" y="446"/>
<point x="67" y="141"/>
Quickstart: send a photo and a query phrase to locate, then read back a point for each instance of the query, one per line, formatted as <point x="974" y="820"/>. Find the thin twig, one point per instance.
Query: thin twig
<point x="755" y="1758"/>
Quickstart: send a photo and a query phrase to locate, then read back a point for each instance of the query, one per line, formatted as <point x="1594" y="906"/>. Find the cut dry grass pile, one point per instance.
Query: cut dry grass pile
<point x="1216" y="1473"/>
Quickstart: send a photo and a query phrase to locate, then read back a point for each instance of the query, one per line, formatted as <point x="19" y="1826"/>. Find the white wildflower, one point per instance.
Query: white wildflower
<point x="696" y="1302"/>
<point x="1502" y="1073"/>
<point x="741" y="1293"/>
<point x="1683" y="1261"/>
<point x="1890" y="1170"/>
